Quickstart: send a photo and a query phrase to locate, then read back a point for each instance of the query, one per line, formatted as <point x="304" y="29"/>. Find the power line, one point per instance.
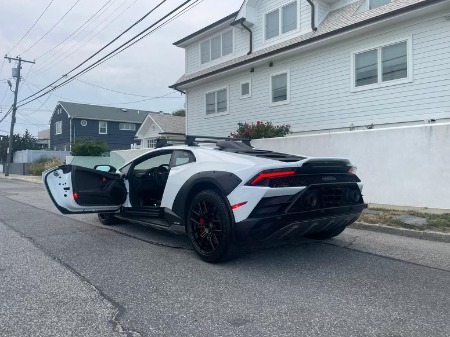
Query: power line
<point x="87" y="69"/>
<point x="119" y="92"/>
<point x="65" y="14"/>
<point x="53" y="60"/>
<point x="85" y="23"/>
<point x="34" y="24"/>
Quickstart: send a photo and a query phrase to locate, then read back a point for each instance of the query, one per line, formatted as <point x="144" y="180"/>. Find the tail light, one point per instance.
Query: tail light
<point x="352" y="170"/>
<point x="270" y="174"/>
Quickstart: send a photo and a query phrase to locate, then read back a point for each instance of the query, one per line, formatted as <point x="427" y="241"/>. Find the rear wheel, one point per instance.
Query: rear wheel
<point x="107" y="219"/>
<point x="327" y="234"/>
<point x="209" y="226"/>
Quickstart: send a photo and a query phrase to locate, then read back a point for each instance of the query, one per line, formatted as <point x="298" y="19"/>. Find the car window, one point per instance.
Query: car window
<point x="182" y="158"/>
<point x="154" y="162"/>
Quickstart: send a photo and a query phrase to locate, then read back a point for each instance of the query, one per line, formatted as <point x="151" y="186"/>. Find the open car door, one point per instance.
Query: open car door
<point x="74" y="189"/>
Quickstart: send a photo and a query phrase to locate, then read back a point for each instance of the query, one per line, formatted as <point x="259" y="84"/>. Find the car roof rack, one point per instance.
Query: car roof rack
<point x="169" y="139"/>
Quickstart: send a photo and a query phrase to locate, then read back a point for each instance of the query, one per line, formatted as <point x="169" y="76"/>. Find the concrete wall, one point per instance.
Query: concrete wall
<point x="119" y="158"/>
<point x="408" y="166"/>
<point x="86" y="161"/>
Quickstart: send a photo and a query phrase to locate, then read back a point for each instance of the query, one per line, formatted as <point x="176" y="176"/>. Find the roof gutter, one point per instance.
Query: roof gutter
<point x="241" y="22"/>
<point x="314" y="39"/>
<point x="313" y="15"/>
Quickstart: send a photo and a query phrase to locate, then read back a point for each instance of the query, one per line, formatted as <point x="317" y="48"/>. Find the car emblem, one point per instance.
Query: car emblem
<point x="329" y="178"/>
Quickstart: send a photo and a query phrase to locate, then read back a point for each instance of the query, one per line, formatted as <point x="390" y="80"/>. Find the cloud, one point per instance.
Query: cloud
<point x="147" y="68"/>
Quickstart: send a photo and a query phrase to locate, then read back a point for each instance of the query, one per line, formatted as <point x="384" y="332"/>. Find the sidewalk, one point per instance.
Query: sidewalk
<point x="31" y="179"/>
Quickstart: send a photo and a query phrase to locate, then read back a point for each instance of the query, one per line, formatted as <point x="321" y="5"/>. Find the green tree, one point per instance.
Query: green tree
<point x="179" y="113"/>
<point x="88" y="146"/>
<point x="25" y="142"/>
<point x="260" y="130"/>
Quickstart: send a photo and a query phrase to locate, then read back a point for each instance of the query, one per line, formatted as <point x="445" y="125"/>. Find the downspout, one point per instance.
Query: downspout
<point x="241" y="22"/>
<point x="313" y="15"/>
<point x="70" y="134"/>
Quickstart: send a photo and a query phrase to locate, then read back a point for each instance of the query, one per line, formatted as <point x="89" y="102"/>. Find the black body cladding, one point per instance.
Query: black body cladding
<point x="225" y="182"/>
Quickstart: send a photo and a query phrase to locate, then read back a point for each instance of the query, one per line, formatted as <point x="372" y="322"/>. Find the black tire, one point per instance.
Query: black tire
<point x="107" y="219"/>
<point x="327" y="234"/>
<point x="209" y="227"/>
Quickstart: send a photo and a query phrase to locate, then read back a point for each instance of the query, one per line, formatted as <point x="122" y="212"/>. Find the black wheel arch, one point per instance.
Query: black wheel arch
<point x="224" y="182"/>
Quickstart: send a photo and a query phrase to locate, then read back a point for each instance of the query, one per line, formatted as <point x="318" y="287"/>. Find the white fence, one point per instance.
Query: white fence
<point x="407" y="166"/>
<point x="30" y="156"/>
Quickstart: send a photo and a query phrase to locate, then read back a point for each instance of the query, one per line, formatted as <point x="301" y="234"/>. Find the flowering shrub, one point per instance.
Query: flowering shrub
<point x="260" y="130"/>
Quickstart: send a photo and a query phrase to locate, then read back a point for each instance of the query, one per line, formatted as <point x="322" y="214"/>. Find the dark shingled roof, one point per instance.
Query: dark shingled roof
<point x="106" y="113"/>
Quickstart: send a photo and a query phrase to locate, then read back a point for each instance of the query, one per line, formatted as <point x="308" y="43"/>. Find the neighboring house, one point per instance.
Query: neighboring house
<point x="319" y="65"/>
<point x="43" y="138"/>
<point x="155" y="126"/>
<point x="115" y="126"/>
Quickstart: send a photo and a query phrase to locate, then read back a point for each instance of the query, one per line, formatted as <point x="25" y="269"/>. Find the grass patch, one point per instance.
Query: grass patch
<point x="387" y="217"/>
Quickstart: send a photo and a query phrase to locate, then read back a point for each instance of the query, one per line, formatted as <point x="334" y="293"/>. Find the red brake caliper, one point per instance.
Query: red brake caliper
<point x="202" y="229"/>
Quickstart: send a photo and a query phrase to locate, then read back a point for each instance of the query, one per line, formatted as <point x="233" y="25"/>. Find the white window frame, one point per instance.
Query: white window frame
<point x="58" y="128"/>
<point x="367" y="5"/>
<point x="221" y="44"/>
<point x="409" y="59"/>
<point x="99" y="128"/>
<point x="280" y="21"/>
<point x="127" y="126"/>
<point x="215" y="114"/>
<point x="288" y="89"/>
<point x="249" y="89"/>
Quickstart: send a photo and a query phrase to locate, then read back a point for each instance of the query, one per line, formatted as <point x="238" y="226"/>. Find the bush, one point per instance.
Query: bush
<point x="88" y="146"/>
<point x="260" y="130"/>
<point x="43" y="164"/>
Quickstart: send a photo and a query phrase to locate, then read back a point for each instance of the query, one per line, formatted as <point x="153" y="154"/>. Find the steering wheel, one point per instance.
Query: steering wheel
<point x="162" y="174"/>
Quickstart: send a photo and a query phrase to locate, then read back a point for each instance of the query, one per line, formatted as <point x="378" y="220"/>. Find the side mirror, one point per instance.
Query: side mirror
<point x="105" y="168"/>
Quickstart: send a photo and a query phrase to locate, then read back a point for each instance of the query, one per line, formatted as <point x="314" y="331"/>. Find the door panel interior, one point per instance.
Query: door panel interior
<point x="96" y="188"/>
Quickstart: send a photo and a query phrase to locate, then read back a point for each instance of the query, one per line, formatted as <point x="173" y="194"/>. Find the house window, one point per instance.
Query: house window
<point x="58" y="128"/>
<point x="216" y="101"/>
<point x="151" y="143"/>
<point x="246" y="89"/>
<point x="279" y="87"/>
<point x="383" y="65"/>
<point x="216" y="47"/>
<point x="102" y="128"/>
<point x="127" y="127"/>
<point x="377" y="3"/>
<point x="281" y="21"/>
<point x="205" y="51"/>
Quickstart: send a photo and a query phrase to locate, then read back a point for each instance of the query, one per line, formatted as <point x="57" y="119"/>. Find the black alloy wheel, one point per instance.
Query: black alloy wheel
<point x="209" y="227"/>
<point x="107" y="219"/>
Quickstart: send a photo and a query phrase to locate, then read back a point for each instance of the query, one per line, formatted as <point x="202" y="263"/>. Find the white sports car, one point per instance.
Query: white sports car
<point x="221" y="195"/>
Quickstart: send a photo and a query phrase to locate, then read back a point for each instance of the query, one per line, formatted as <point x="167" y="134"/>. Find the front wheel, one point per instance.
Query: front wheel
<point x="209" y="227"/>
<point x="107" y="219"/>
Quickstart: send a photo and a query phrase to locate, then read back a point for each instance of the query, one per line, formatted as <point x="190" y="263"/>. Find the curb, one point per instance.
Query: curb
<point x="35" y="180"/>
<point x="423" y="235"/>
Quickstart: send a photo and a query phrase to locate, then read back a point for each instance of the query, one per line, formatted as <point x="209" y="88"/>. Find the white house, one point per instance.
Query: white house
<point x="155" y="126"/>
<point x="320" y="65"/>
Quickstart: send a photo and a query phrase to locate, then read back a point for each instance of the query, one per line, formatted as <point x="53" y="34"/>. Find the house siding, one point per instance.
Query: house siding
<point x="62" y="141"/>
<point x="115" y="138"/>
<point x="321" y="96"/>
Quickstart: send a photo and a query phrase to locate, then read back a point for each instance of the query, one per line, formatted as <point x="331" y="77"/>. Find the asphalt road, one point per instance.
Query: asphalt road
<point x="69" y="275"/>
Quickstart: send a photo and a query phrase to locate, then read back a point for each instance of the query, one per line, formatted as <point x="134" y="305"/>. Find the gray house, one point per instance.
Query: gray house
<point x="115" y="126"/>
<point x="320" y="66"/>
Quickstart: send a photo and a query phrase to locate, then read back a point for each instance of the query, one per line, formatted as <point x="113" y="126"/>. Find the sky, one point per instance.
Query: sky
<point x="70" y="31"/>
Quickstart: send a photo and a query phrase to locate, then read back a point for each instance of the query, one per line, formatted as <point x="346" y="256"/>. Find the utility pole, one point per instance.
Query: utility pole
<point x="9" y="153"/>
